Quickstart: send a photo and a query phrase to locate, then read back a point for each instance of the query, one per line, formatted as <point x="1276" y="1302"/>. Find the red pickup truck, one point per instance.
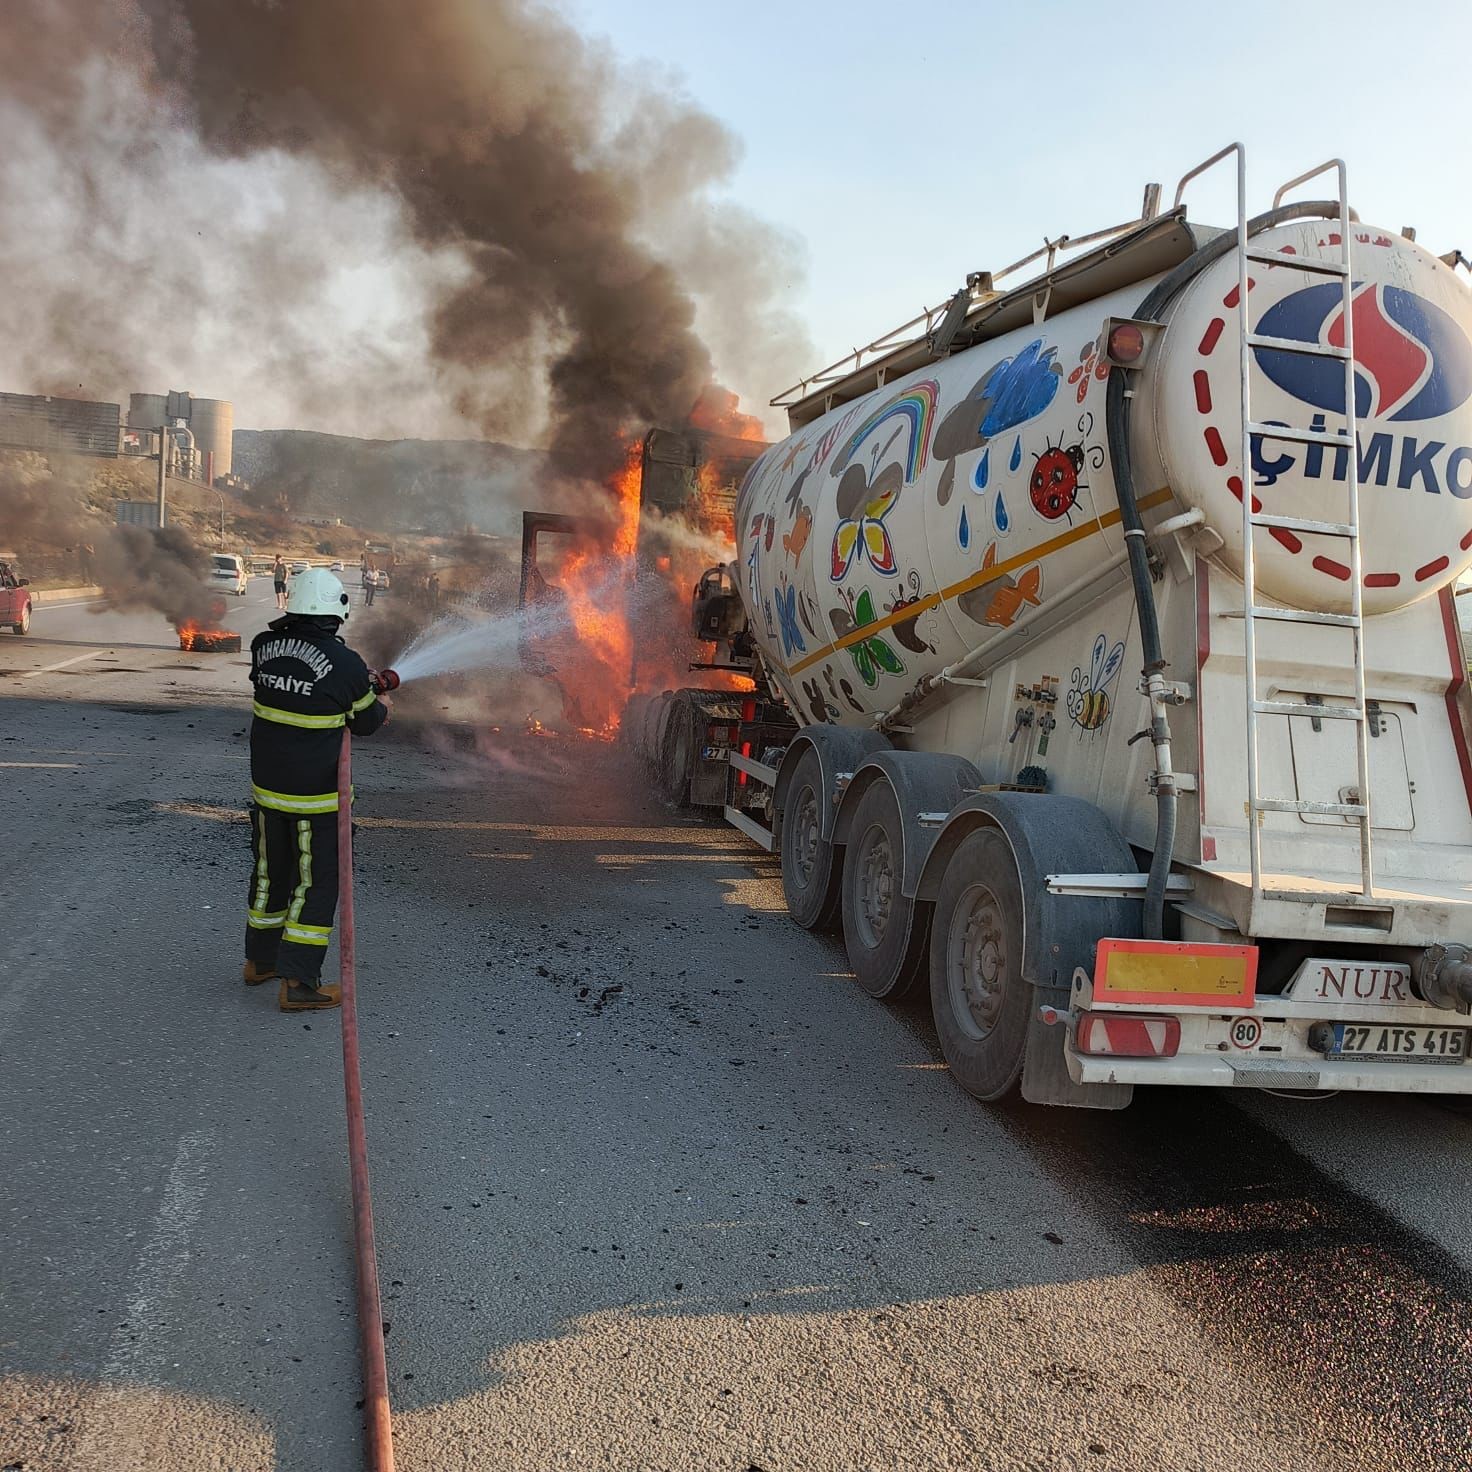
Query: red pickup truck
<point x="15" y="601"/>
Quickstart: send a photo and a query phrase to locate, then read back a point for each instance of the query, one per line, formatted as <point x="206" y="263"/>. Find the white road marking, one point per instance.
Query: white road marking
<point x="116" y="1417"/>
<point x="165" y="1253"/>
<point x="40" y="764"/>
<point x="61" y="664"/>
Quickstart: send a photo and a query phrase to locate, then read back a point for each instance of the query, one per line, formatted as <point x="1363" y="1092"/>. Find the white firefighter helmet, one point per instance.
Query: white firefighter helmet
<point x="319" y="593"/>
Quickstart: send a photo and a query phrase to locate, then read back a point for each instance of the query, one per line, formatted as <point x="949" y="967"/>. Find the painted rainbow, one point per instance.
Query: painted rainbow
<point x="917" y="405"/>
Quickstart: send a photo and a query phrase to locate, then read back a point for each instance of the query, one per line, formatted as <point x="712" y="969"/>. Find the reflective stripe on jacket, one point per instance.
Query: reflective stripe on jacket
<point x="308" y="686"/>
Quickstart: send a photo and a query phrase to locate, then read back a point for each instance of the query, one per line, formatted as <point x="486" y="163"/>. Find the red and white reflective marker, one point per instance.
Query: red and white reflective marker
<point x="1116" y="1034"/>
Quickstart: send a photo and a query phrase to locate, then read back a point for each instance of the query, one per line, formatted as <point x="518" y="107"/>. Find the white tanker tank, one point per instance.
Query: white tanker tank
<point x="888" y="538"/>
<point x="999" y="571"/>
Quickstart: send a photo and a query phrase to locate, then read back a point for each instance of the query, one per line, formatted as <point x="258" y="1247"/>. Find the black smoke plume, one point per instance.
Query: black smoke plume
<point x="158" y="569"/>
<point x="545" y="225"/>
<point x="43" y="510"/>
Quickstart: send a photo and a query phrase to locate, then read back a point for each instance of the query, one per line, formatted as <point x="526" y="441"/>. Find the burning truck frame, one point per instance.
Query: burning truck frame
<point x="619" y="608"/>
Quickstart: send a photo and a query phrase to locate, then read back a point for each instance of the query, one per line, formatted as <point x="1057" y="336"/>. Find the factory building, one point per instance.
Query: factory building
<point x="202" y="431"/>
<point x="47" y="423"/>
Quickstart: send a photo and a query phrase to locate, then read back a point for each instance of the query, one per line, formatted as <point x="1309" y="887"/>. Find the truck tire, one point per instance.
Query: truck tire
<point x="884" y="933"/>
<point x="810" y="876"/>
<point x="977" y="992"/>
<point x="678" y="756"/>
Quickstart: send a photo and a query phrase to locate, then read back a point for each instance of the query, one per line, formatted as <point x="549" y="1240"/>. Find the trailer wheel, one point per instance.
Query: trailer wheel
<point x="977" y="991"/>
<point x="679" y="755"/>
<point x="810" y="876"/>
<point x="884" y="932"/>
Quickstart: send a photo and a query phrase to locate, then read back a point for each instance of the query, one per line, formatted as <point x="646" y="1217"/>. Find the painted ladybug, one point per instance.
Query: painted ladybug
<point x="1054" y="484"/>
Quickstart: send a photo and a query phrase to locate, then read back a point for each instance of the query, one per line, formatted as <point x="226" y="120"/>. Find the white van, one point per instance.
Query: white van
<point x="228" y="567"/>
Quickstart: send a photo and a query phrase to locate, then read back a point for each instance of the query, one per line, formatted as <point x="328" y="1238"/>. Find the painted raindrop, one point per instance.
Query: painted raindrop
<point x="1016" y="459"/>
<point x="979" y="475"/>
<point x="963" y="532"/>
<point x="1000" y="517"/>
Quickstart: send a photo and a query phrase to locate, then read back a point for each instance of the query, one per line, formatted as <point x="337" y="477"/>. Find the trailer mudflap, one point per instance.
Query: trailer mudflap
<point x="1046" y="1075"/>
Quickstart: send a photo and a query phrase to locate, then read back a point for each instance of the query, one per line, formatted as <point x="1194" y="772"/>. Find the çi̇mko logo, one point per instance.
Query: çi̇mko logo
<point x="1412" y="362"/>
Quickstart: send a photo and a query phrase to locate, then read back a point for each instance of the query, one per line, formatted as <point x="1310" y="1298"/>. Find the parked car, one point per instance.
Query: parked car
<point x="228" y="568"/>
<point x="15" y="601"/>
<point x="336" y="567"/>
<point x="297" y="567"/>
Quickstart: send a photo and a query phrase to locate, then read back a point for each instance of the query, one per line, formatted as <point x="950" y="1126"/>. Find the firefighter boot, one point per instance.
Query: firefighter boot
<point x="302" y="996"/>
<point x="254" y="973"/>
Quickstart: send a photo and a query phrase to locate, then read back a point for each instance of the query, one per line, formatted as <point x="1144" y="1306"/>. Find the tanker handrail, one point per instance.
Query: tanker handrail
<point x="918" y="327"/>
<point x="1202" y="167"/>
<point x="1221" y="153"/>
<point x="1334" y="164"/>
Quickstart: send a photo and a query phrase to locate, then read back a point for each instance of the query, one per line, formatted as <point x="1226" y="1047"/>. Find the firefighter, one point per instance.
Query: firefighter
<point x="308" y="686"/>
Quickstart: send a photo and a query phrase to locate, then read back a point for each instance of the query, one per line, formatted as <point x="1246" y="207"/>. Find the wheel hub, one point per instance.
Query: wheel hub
<point x="976" y="962"/>
<point x="876" y="886"/>
<point x="807" y="836"/>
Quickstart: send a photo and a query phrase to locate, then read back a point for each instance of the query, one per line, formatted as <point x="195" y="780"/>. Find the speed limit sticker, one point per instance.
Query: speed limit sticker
<point x="1245" y="1032"/>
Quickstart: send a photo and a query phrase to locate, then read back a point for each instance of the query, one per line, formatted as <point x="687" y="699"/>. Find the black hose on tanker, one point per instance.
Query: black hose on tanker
<point x="1116" y="423"/>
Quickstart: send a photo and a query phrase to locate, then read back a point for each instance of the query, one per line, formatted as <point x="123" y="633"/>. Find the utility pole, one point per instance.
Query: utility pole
<point x="221" y="500"/>
<point x="163" y="472"/>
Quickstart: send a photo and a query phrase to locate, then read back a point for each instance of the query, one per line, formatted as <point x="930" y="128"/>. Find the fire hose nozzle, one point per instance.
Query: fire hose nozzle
<point x="384" y="680"/>
<point x="1442" y="976"/>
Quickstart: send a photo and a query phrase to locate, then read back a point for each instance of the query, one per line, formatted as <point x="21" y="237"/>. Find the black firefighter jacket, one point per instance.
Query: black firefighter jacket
<point x="308" y="686"/>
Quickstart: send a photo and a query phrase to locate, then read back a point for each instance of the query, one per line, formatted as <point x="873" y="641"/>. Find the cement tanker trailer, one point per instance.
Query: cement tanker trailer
<point x="1153" y="769"/>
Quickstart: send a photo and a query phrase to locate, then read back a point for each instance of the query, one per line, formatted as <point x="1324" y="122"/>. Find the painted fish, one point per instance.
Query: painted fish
<point x="797" y="539"/>
<point x="1000" y="601"/>
<point x="1012" y="595"/>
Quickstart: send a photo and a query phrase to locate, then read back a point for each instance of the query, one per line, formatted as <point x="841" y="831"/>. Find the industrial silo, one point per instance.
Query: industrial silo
<point x="146" y="411"/>
<point x="213" y="423"/>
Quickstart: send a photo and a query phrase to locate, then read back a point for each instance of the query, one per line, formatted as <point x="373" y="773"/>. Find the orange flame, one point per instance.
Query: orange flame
<point x="195" y="638"/>
<point x="598" y="578"/>
<point x="717" y="411"/>
<point x="595" y="580"/>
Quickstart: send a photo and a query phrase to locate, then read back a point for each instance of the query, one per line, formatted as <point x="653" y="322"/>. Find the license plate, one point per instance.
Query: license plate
<point x="714" y="753"/>
<point x="1404" y="1044"/>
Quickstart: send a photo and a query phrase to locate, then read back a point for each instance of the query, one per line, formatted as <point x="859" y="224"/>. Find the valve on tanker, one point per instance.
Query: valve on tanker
<point x="716" y="613"/>
<point x="1442" y="975"/>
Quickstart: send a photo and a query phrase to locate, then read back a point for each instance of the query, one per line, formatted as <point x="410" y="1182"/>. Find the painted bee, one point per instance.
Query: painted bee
<point x="1088" y="695"/>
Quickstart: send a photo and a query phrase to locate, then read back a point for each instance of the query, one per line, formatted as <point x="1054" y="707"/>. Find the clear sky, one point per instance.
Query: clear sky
<point x="907" y="144"/>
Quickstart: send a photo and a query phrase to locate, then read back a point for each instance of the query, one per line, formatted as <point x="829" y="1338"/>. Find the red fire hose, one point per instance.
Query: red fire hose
<point x="377" y="1423"/>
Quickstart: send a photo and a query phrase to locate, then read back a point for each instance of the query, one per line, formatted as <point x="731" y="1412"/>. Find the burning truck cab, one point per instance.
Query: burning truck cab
<point x="618" y="611"/>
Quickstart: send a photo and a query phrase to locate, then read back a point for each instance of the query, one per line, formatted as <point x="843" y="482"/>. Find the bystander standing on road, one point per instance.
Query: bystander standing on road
<point x="370" y="586"/>
<point x="278" y="577"/>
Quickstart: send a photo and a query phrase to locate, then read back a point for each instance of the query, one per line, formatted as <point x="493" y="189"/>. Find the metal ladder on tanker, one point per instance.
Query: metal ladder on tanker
<point x="1348" y="530"/>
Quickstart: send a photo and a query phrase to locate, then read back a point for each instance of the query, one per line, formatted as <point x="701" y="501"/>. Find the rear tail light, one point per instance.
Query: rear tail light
<point x="1127" y="1035"/>
<point x="1127" y="341"/>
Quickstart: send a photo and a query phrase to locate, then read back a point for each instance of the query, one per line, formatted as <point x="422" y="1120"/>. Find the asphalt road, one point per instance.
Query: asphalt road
<point x="657" y="1187"/>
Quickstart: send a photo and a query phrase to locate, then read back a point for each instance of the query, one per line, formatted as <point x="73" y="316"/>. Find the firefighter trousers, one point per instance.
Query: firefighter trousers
<point x="293" y="891"/>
